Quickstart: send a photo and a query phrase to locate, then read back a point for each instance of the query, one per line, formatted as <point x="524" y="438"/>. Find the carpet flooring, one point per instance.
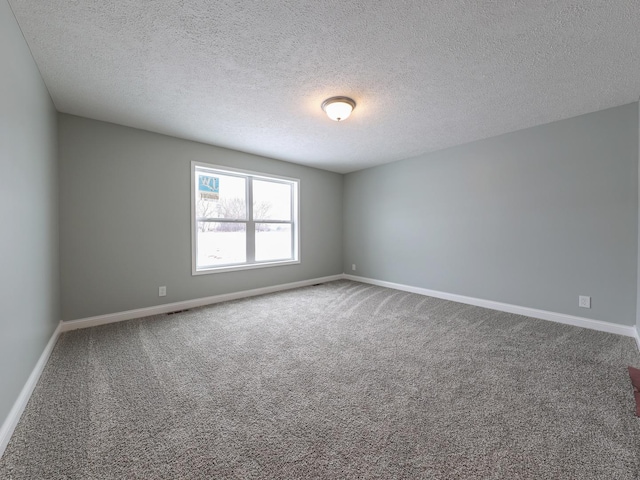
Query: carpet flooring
<point x="340" y="380"/>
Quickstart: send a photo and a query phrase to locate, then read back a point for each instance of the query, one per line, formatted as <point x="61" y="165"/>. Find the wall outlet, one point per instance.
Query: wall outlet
<point x="353" y="267"/>
<point x="584" y="302"/>
<point x="162" y="291"/>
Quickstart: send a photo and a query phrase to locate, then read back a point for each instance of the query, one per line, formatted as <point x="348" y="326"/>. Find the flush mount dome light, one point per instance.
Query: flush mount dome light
<point x="338" y="108"/>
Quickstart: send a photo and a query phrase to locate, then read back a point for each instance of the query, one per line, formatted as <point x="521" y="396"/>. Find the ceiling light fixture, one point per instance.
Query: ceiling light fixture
<point x="338" y="108"/>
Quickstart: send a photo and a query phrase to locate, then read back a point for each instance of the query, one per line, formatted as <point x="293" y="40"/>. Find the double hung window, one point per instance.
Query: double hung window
<point x="242" y="219"/>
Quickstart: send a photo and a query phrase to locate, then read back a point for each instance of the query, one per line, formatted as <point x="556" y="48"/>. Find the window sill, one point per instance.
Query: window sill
<point x="249" y="266"/>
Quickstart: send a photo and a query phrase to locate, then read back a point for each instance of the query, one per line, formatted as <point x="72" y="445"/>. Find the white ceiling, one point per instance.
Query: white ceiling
<point x="251" y="75"/>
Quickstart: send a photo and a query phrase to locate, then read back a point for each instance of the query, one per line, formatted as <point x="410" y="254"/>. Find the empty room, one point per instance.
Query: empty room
<point x="319" y="239"/>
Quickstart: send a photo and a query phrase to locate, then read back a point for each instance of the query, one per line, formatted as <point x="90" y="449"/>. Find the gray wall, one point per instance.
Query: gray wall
<point x="125" y="219"/>
<point x="28" y="211"/>
<point x="638" y="284"/>
<point x="532" y="218"/>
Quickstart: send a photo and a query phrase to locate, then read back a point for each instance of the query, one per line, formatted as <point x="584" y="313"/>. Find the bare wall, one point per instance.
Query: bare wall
<point x="638" y="283"/>
<point x="125" y="219"/>
<point x="29" y="273"/>
<point x="531" y="218"/>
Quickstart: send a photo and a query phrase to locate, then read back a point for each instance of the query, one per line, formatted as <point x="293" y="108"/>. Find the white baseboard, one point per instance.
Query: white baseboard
<point x="637" y="336"/>
<point x="184" y="305"/>
<point x="10" y="423"/>
<point x="608" y="327"/>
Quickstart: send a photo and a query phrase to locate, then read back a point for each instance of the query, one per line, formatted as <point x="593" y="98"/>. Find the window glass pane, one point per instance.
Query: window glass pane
<point x="271" y="200"/>
<point x="221" y="243"/>
<point x="220" y="196"/>
<point x="273" y="242"/>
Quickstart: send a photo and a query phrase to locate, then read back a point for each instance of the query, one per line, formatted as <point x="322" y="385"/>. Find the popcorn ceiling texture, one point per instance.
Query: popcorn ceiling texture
<point x="251" y="75"/>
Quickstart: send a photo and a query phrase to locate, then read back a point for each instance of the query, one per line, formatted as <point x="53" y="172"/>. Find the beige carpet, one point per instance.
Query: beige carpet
<point x="341" y="380"/>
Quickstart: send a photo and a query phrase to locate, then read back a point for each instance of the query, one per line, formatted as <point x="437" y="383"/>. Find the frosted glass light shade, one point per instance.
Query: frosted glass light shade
<point x="338" y="108"/>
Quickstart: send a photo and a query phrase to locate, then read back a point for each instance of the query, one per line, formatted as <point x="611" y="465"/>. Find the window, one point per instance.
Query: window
<point x="242" y="219"/>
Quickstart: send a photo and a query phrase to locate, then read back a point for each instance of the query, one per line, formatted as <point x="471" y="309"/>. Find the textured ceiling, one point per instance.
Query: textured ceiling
<point x="251" y="76"/>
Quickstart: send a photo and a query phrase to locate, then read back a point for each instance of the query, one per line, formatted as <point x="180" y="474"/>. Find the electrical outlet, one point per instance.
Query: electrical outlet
<point x="162" y="291"/>
<point x="584" y="302"/>
<point x="353" y="267"/>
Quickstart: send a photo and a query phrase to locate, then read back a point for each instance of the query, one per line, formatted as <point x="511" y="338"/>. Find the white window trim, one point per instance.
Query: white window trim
<point x="295" y="221"/>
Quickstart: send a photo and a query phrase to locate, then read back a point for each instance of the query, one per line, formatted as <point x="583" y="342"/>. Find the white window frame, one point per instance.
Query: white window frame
<point x="250" y="222"/>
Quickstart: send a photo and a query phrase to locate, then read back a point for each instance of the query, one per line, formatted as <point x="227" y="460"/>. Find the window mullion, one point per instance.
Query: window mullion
<point x="251" y="225"/>
<point x="292" y="216"/>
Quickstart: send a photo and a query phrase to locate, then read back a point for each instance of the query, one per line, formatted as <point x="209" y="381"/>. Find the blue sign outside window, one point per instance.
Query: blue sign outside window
<point x="209" y="184"/>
